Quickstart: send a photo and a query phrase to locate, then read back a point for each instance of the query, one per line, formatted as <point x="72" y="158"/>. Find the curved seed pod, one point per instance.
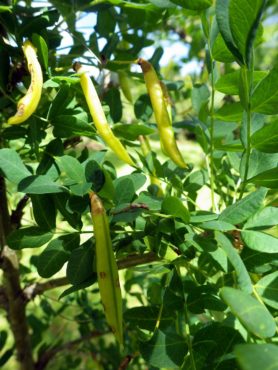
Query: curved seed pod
<point x="98" y="116"/>
<point x="125" y="85"/>
<point x="162" y="117"/>
<point x="107" y="270"/>
<point x="27" y="105"/>
<point x="167" y="100"/>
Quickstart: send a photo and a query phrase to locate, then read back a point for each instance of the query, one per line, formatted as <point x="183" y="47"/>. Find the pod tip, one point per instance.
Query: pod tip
<point x="76" y="66"/>
<point x="144" y="64"/>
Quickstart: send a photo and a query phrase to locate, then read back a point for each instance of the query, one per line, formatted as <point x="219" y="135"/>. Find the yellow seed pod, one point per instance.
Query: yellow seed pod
<point x="27" y="105"/>
<point x="99" y="117"/>
<point x="159" y="103"/>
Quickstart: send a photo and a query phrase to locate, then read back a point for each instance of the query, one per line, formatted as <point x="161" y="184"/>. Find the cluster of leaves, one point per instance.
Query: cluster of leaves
<point x="208" y="299"/>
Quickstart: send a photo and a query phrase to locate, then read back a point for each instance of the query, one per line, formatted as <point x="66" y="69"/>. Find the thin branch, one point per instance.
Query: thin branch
<point x="137" y="259"/>
<point x="130" y="208"/>
<point x="3" y="299"/>
<point x="12" y="289"/>
<point x="17" y="214"/>
<point x="31" y="291"/>
<point x="125" y="362"/>
<point x="5" y="227"/>
<point x="48" y="355"/>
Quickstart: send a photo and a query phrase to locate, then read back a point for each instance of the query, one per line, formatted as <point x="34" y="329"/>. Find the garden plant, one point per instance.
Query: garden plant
<point x="138" y="195"/>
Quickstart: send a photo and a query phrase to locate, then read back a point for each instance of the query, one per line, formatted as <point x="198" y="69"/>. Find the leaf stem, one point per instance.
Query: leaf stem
<point x="246" y="98"/>
<point x="187" y="327"/>
<point x="211" y="129"/>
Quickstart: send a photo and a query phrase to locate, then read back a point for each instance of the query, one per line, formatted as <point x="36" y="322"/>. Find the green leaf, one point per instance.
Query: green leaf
<point x="199" y="96"/>
<point x="268" y="179"/>
<point x="223" y="21"/>
<point x="55" y="80"/>
<point x="229" y="83"/>
<point x="193" y="5"/>
<point x="146" y="317"/>
<point x="60" y="102"/>
<point x="12" y="166"/>
<point x="266" y="139"/>
<point x="124" y="190"/>
<point x="78" y="204"/>
<point x="235" y="146"/>
<point x="73" y="169"/>
<point x="70" y="241"/>
<point x="80" y="286"/>
<point x="212" y="343"/>
<point x="52" y="259"/>
<point x="3" y="339"/>
<point x="230" y="112"/>
<point x="28" y="237"/>
<point x="44" y="211"/>
<point x="40" y="184"/>
<point x="47" y="164"/>
<point x="106" y="22"/>
<point x="6" y="356"/>
<point x="143" y="108"/>
<point x="150" y="201"/>
<point x="244" y="208"/>
<point x="5" y="8"/>
<point x="243" y="277"/>
<point x="113" y="99"/>
<point x="244" y="20"/>
<point x="217" y="225"/>
<point x="260" y="241"/>
<point x="162" y="3"/>
<point x="260" y="162"/>
<point x="195" y="181"/>
<point x="14" y="132"/>
<point x="257" y="356"/>
<point x="202" y="216"/>
<point x="263" y="219"/>
<point x="42" y="49"/>
<point x="138" y="179"/>
<point x="174" y="206"/>
<point x="265" y="97"/>
<point x="164" y="350"/>
<point x="80" y="265"/>
<point x="220" y="52"/>
<point x="131" y="131"/>
<point x="72" y="218"/>
<point x="203" y="297"/>
<point x="267" y="288"/>
<point x="94" y="174"/>
<point x="68" y="126"/>
<point x="250" y="312"/>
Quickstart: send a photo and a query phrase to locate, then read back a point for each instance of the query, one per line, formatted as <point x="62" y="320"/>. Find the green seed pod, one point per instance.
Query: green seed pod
<point x="107" y="269"/>
<point x="159" y="99"/>
<point x="99" y="117"/>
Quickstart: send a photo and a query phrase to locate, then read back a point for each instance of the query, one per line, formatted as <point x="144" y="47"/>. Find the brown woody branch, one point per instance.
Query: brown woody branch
<point x="125" y="362"/>
<point x="31" y="291"/>
<point x="12" y="290"/>
<point x="17" y="214"/>
<point x="3" y="299"/>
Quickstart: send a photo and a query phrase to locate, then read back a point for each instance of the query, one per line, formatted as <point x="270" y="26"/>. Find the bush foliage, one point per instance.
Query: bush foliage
<point x="196" y="247"/>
